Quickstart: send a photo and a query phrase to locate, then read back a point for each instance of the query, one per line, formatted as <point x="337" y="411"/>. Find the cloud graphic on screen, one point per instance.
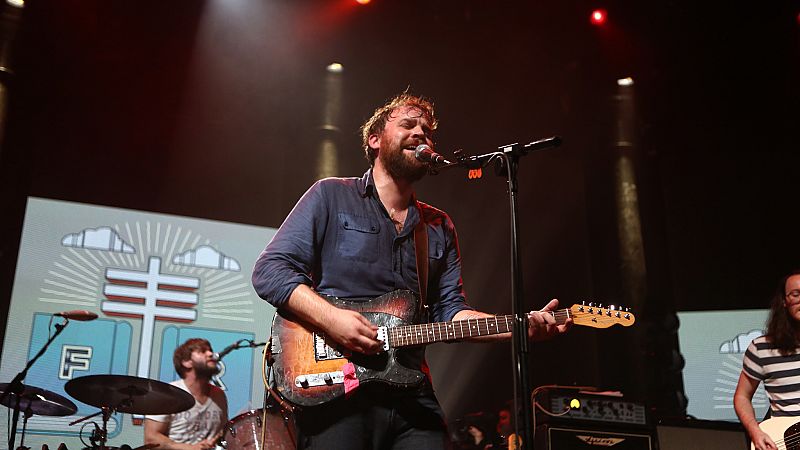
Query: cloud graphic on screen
<point x="740" y="342"/>
<point x="205" y="256"/>
<point x="101" y="238"/>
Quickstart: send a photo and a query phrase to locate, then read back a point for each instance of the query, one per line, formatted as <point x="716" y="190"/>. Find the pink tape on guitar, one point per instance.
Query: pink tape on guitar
<point x="350" y="380"/>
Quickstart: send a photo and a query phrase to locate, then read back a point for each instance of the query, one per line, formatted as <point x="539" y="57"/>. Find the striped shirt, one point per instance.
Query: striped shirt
<point x="780" y="375"/>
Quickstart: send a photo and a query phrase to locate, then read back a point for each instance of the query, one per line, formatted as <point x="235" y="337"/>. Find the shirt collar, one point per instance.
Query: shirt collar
<point x="366" y="184"/>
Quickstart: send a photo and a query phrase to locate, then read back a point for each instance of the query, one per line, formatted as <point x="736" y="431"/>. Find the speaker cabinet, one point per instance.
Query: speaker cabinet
<point x="577" y="438"/>
<point x="701" y="435"/>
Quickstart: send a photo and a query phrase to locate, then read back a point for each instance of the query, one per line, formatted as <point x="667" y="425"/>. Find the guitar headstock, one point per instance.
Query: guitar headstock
<point x="596" y="316"/>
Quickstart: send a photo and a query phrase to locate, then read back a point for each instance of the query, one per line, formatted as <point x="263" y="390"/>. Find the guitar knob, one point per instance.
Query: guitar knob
<point x="303" y="381"/>
<point x="328" y="379"/>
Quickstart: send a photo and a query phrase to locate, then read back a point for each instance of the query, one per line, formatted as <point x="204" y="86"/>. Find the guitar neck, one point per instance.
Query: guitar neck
<point x="428" y="333"/>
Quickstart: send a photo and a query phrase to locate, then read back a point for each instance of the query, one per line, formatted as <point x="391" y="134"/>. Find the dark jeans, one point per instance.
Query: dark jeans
<point x="374" y="418"/>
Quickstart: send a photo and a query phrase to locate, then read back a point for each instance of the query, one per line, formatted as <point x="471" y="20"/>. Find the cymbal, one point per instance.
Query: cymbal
<point x="38" y="401"/>
<point x="129" y="394"/>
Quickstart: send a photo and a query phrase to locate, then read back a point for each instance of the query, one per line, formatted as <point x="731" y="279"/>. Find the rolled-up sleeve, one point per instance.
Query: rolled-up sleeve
<point x="289" y="258"/>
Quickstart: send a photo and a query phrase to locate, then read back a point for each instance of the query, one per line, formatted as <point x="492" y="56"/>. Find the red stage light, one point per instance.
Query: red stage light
<point x="362" y="2"/>
<point x="598" y="17"/>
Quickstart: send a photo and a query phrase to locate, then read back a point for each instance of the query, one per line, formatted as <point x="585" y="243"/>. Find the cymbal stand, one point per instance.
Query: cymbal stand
<point x="17" y="387"/>
<point x="107" y="412"/>
<point x="25" y="417"/>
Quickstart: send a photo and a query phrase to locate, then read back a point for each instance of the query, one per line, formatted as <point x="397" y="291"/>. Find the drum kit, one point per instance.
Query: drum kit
<point x="269" y="428"/>
<point x="134" y="395"/>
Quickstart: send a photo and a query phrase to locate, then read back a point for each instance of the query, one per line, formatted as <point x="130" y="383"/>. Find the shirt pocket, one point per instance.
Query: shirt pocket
<point x="358" y="238"/>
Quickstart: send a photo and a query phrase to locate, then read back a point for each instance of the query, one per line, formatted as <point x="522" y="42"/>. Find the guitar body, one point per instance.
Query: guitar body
<point x="300" y="351"/>
<point x="784" y="431"/>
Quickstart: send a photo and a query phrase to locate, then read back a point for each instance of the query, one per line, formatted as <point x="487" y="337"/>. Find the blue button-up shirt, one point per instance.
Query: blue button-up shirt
<point x="340" y="240"/>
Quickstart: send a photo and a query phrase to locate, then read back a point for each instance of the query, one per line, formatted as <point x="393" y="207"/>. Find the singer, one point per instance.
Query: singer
<point x="200" y="427"/>
<point x="356" y="238"/>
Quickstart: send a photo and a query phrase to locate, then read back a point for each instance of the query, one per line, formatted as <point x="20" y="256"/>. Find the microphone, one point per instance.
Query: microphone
<point x="553" y="141"/>
<point x="424" y="153"/>
<point x="228" y="349"/>
<point x="78" y="314"/>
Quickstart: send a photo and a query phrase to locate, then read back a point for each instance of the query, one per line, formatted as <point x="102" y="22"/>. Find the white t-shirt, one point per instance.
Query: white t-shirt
<point x="201" y="421"/>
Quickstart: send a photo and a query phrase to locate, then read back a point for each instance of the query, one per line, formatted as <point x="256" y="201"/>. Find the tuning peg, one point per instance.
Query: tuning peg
<point x="612" y="307"/>
<point x="600" y="305"/>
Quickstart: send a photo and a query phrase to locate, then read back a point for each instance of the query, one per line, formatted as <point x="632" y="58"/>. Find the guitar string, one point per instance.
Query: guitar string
<point x="422" y="333"/>
<point x="791" y="440"/>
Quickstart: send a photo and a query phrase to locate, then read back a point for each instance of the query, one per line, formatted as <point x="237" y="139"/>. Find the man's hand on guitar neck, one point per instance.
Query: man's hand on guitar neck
<point x="542" y="325"/>
<point x="348" y="328"/>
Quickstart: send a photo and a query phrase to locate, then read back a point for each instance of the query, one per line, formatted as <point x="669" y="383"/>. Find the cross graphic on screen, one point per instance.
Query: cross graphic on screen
<point x="150" y="296"/>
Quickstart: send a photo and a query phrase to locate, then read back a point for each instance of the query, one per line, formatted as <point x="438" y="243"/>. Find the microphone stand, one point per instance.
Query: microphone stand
<point x="507" y="161"/>
<point x="17" y="388"/>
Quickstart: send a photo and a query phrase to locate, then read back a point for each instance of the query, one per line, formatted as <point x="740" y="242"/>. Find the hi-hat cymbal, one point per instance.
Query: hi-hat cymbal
<point x="129" y="394"/>
<point x="38" y="401"/>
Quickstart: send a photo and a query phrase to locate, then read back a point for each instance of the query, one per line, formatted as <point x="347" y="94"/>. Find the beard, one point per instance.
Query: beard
<point x="399" y="166"/>
<point x="203" y="370"/>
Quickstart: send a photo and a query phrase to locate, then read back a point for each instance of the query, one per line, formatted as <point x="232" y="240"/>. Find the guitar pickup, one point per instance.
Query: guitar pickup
<point x="319" y="379"/>
<point x="383" y="336"/>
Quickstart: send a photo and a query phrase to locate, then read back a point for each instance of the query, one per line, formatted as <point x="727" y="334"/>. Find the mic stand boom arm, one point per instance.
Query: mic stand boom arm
<point x="508" y="157"/>
<point x="16" y="387"/>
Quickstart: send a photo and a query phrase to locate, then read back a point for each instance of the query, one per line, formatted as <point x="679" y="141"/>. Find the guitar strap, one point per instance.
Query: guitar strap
<point x="421" y="250"/>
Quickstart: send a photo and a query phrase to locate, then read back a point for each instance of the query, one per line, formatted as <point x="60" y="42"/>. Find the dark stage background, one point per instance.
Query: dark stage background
<point x="214" y="109"/>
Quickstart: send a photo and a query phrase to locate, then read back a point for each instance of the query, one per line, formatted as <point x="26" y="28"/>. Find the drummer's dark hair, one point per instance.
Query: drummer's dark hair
<point x="184" y="353"/>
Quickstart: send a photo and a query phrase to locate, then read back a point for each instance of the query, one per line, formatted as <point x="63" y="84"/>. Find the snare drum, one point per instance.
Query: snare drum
<point x="243" y="432"/>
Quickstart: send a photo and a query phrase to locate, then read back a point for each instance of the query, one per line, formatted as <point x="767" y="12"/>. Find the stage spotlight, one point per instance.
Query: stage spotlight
<point x="363" y="2"/>
<point x="598" y="17"/>
<point x="627" y="81"/>
<point x="16" y="3"/>
<point x="335" y="68"/>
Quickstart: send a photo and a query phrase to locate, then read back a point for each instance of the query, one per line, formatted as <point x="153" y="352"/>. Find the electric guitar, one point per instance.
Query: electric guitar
<point x="784" y="431"/>
<point x="309" y="369"/>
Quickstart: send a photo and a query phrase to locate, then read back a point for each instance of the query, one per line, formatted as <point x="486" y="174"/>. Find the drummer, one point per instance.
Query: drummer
<point x="200" y="427"/>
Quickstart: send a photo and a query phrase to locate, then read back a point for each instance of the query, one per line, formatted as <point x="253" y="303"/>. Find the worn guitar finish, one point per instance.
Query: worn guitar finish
<point x="308" y="368"/>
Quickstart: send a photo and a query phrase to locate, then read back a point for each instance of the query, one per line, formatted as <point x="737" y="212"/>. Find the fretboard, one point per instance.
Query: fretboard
<point x="428" y="333"/>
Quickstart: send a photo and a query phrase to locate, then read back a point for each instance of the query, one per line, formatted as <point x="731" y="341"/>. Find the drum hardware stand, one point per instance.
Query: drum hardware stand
<point x="27" y="415"/>
<point x="16" y="386"/>
<point x="101" y="434"/>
